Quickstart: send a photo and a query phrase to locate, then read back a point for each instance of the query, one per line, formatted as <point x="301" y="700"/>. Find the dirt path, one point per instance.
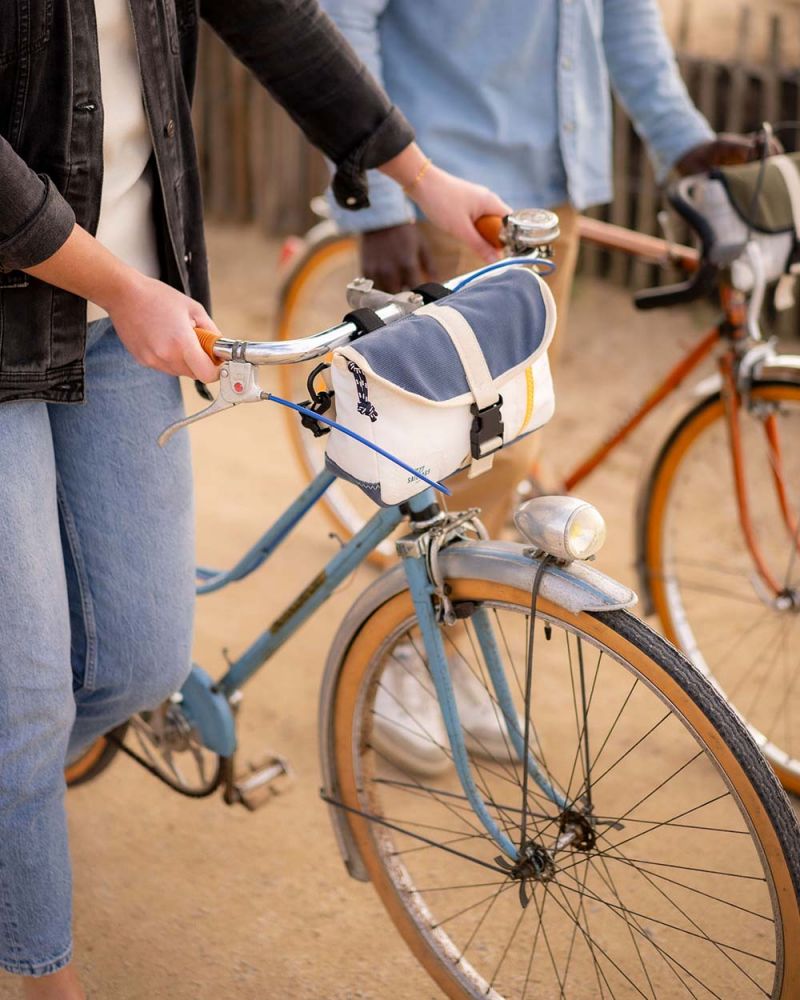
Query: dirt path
<point x="194" y="901"/>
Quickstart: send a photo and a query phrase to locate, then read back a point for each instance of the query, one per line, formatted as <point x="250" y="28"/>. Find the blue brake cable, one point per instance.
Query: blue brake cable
<point x="505" y="263"/>
<point x="361" y="440"/>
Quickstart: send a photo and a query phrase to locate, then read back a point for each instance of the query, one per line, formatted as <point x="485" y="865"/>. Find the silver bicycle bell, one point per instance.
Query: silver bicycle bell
<point x="531" y="229"/>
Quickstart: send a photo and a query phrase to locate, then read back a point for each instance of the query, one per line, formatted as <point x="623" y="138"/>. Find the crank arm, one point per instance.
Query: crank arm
<point x="237" y="384"/>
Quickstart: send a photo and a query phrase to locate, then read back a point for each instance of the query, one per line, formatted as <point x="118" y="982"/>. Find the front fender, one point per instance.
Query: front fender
<point x="575" y="587"/>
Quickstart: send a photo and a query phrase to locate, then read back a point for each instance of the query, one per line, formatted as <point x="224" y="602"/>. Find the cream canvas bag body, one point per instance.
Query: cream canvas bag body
<point x="444" y="388"/>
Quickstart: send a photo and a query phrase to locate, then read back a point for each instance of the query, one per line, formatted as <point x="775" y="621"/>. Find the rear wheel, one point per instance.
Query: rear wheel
<point x="705" y="585"/>
<point x="673" y="869"/>
<point x="96" y="758"/>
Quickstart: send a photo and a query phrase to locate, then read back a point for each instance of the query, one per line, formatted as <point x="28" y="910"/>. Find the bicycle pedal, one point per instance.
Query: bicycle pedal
<point x="258" y="783"/>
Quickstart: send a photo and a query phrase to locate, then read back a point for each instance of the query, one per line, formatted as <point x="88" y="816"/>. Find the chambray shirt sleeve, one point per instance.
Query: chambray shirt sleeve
<point x="358" y="22"/>
<point x="35" y="220"/>
<point x="646" y="79"/>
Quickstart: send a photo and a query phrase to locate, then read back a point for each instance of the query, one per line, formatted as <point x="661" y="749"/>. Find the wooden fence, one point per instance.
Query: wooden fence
<point x="258" y="168"/>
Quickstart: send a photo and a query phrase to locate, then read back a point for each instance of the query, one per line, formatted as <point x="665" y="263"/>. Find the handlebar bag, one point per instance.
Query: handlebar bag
<point x="446" y="387"/>
<point x="755" y="202"/>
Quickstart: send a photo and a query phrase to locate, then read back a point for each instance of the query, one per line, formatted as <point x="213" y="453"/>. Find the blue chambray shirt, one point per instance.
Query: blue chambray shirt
<point x="515" y="94"/>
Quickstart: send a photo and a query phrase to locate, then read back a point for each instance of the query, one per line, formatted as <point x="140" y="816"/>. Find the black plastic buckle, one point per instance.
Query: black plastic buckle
<point x="320" y="402"/>
<point x="486" y="426"/>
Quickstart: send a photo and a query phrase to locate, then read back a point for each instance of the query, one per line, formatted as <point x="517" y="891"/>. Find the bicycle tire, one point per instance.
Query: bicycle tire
<point x="321" y="275"/>
<point x="372" y="800"/>
<point x="94" y="760"/>
<point x="701" y="579"/>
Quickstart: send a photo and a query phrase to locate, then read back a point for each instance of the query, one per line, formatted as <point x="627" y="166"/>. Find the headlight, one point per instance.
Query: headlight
<point x="564" y="527"/>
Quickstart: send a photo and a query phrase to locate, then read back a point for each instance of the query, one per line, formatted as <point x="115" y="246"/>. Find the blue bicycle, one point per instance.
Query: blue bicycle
<point x="626" y="838"/>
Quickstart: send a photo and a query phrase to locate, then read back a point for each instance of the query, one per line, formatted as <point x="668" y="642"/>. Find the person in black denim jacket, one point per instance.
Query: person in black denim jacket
<point x="96" y="557"/>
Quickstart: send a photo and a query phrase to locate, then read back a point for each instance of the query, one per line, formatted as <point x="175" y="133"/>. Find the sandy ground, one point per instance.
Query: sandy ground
<point x="193" y="900"/>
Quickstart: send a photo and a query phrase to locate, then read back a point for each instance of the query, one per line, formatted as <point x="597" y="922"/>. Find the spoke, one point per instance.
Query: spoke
<point x="635" y="924"/>
<point x="407" y="786"/>
<point x="668" y="958"/>
<point x="719" y="946"/>
<point x="469" y="885"/>
<point x="588" y="764"/>
<point x="415" y="836"/>
<point x="533" y="954"/>
<point x="630" y="750"/>
<point x="510" y="941"/>
<point x="479" y="924"/>
<point x="691" y="888"/>
<point x="688" y="933"/>
<point x="443" y="843"/>
<point x="686" y="868"/>
<point x="466" y="909"/>
<point x="602" y="951"/>
<point x="540" y="914"/>
<point x="716" y="591"/>
<point x="657" y="826"/>
<point x="634" y="942"/>
<point x="614" y="723"/>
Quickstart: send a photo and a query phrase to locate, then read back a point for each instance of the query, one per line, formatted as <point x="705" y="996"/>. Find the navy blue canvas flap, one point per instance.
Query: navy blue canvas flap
<point x="508" y="313"/>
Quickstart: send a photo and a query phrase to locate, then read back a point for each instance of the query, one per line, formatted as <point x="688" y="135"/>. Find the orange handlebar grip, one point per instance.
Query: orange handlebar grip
<point x="207" y="340"/>
<point x="490" y="227"/>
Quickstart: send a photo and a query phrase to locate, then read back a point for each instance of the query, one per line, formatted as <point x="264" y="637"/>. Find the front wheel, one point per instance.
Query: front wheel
<point x="673" y="868"/>
<point x="709" y="585"/>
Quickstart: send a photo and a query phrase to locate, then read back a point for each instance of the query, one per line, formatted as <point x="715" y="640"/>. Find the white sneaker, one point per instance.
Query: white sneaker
<point x="408" y="727"/>
<point x="485" y="729"/>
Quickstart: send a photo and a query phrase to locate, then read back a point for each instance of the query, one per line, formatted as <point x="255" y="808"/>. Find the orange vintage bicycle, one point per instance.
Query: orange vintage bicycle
<point x="717" y="533"/>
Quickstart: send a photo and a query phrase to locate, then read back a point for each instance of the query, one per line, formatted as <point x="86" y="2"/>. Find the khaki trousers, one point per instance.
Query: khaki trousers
<point x="495" y="491"/>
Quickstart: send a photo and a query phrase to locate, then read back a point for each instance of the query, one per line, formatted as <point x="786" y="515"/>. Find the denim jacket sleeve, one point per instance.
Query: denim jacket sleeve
<point x="358" y="22"/>
<point x="646" y="79"/>
<point x="297" y="53"/>
<point x="35" y="220"/>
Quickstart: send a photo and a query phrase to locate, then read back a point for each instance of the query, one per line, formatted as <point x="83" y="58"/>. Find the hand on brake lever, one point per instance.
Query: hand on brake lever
<point x="238" y="383"/>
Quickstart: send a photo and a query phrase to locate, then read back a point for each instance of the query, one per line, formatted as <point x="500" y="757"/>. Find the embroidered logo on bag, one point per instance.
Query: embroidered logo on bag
<point x="364" y="406"/>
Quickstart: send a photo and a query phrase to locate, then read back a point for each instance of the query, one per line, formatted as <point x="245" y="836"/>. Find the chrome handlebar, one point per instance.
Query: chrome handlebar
<point x="360" y="294"/>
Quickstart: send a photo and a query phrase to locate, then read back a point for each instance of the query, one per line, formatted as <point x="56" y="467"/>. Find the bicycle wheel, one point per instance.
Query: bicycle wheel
<point x="673" y="870"/>
<point x="312" y="299"/>
<point x="95" y="759"/>
<point x="705" y="583"/>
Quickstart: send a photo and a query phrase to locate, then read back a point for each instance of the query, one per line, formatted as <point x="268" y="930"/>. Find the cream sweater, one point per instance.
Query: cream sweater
<point x="126" y="224"/>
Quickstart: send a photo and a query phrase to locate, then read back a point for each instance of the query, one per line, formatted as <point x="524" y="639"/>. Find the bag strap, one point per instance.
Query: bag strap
<point x="480" y="382"/>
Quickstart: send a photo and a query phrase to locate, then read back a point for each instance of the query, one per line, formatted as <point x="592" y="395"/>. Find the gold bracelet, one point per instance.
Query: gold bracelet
<point x="408" y="188"/>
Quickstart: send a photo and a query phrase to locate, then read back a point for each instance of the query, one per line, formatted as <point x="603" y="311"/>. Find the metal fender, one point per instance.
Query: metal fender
<point x="575" y="587"/>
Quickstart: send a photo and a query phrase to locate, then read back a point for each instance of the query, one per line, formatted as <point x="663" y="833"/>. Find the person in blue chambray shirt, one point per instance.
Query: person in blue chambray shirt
<point x="515" y="95"/>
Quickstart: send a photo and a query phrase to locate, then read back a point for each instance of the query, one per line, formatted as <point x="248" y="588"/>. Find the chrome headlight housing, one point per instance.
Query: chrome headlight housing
<point x="564" y="527"/>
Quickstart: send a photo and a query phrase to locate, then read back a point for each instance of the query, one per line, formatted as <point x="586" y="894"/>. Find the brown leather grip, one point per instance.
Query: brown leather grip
<point x="207" y="340"/>
<point x="490" y="227"/>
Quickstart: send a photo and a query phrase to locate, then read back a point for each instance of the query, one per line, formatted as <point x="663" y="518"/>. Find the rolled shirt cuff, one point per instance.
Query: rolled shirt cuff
<point x="42" y="234"/>
<point x="349" y="185"/>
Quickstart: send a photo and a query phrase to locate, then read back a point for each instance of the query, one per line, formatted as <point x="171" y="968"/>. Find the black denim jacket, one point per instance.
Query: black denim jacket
<point x="51" y="155"/>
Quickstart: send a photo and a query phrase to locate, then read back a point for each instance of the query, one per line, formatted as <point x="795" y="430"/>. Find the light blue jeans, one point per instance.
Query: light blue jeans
<point x="96" y="606"/>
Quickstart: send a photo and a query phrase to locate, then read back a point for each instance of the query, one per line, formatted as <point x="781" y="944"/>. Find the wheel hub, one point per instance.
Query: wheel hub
<point x="534" y="864"/>
<point x="575" y="830"/>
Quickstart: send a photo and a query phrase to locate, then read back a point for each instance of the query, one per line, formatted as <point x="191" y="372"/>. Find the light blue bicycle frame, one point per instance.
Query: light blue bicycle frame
<point x="206" y="703"/>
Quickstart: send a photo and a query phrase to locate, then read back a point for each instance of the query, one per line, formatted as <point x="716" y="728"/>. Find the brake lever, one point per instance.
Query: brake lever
<point x="238" y="383"/>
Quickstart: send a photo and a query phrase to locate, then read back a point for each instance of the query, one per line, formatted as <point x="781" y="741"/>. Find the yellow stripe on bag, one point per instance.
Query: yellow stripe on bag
<point x="529" y="398"/>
